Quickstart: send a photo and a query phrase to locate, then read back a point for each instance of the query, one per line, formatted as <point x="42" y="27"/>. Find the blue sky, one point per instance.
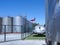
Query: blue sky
<point x="29" y="8"/>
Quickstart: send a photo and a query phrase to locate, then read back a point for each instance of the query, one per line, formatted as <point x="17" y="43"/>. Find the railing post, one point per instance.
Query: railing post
<point x="4" y="33"/>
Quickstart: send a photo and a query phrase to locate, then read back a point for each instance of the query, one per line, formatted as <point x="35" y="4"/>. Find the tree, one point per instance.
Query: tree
<point x="34" y="24"/>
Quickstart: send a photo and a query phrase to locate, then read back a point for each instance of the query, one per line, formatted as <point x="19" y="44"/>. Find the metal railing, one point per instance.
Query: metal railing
<point x="14" y="32"/>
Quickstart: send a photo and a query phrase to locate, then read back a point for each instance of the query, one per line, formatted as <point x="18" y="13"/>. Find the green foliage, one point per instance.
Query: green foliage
<point x="34" y="24"/>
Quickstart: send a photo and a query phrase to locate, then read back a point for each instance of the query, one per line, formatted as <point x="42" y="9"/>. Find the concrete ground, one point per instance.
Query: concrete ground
<point x="25" y="42"/>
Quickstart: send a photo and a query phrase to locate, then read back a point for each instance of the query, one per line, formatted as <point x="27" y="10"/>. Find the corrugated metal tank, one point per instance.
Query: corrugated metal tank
<point x="30" y="28"/>
<point x="24" y="24"/>
<point x="50" y="6"/>
<point x="51" y="20"/>
<point x="30" y="25"/>
<point x="27" y="26"/>
<point x="0" y="24"/>
<point x="18" y="24"/>
<point x="57" y="21"/>
<point x="8" y="22"/>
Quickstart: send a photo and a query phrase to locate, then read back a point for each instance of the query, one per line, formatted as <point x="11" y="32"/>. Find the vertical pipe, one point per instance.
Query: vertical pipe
<point x="11" y="24"/>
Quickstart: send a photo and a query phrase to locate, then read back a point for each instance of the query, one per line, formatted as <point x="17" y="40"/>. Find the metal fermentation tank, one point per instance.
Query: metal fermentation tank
<point x="7" y="24"/>
<point x="18" y="24"/>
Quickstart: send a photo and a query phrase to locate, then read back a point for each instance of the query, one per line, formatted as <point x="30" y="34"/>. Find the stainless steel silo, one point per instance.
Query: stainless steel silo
<point x="24" y="26"/>
<point x="50" y="21"/>
<point x="7" y="24"/>
<point x="57" y="21"/>
<point x="18" y="24"/>
<point x="30" y="25"/>
<point x="27" y="28"/>
<point x="30" y="28"/>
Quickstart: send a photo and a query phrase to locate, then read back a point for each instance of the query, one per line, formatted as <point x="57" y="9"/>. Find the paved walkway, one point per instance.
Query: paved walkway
<point x="25" y="42"/>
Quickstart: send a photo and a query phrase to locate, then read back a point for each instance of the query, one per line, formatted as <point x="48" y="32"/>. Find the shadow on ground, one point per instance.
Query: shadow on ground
<point x="38" y="35"/>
